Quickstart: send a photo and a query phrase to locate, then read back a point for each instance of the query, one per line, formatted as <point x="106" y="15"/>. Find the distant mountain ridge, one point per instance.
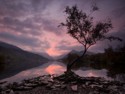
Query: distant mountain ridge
<point x="72" y="55"/>
<point x="7" y="45"/>
<point x="79" y="53"/>
<point x="16" y="59"/>
<point x="45" y="55"/>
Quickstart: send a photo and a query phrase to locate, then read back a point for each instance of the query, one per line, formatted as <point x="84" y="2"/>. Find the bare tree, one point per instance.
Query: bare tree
<point x="81" y="27"/>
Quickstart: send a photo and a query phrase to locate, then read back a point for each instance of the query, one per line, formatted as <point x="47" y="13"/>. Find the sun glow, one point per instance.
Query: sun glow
<point x="53" y="52"/>
<point x="55" y="69"/>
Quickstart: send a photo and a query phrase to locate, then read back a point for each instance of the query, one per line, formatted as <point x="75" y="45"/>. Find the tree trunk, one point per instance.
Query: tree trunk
<point x="69" y="65"/>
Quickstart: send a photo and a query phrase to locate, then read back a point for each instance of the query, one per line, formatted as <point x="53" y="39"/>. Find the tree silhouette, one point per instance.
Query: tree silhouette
<point x="81" y="27"/>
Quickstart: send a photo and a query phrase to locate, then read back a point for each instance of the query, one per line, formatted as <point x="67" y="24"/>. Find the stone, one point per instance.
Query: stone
<point x="3" y="82"/>
<point x="49" y="85"/>
<point x="57" y="85"/>
<point x="74" y="82"/>
<point x="11" y="92"/>
<point x="28" y="88"/>
<point x="30" y="85"/>
<point x="45" y="82"/>
<point x="114" y="88"/>
<point x="8" y="91"/>
<point x="63" y="86"/>
<point x="74" y="87"/>
<point x="50" y="80"/>
<point x="23" y="88"/>
<point x="94" y="85"/>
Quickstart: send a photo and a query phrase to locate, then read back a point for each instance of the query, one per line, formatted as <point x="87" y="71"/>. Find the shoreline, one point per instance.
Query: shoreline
<point x="64" y="84"/>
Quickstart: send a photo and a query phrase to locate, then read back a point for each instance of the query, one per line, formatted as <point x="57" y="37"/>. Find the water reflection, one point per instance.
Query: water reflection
<point x="93" y="73"/>
<point x="55" y="69"/>
<point x="59" y="68"/>
<point x="48" y="68"/>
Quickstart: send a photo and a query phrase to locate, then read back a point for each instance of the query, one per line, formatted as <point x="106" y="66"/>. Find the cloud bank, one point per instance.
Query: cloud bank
<point x="33" y="24"/>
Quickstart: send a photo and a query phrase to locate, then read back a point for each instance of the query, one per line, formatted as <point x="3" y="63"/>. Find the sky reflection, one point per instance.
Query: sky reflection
<point x="93" y="73"/>
<point x="54" y="68"/>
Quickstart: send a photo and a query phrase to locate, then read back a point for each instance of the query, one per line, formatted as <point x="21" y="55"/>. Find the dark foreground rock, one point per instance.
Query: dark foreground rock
<point x="68" y="83"/>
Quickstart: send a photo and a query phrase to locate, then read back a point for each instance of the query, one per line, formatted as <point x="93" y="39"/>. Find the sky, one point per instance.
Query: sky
<point x="33" y="24"/>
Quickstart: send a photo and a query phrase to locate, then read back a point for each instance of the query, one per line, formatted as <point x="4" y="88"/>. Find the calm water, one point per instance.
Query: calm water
<point x="58" y="68"/>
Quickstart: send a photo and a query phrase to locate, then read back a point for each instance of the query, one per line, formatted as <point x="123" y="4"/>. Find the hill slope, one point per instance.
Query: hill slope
<point x="45" y="55"/>
<point x="14" y="60"/>
<point x="75" y="54"/>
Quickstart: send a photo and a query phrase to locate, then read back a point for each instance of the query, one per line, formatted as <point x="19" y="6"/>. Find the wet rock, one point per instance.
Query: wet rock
<point x="74" y="82"/>
<point x="57" y="85"/>
<point x="50" y="80"/>
<point x="30" y="85"/>
<point x="63" y="86"/>
<point x="27" y="88"/>
<point x="11" y="92"/>
<point x="45" y="82"/>
<point x="74" y="87"/>
<point x="49" y="86"/>
<point x="83" y="86"/>
<point x="3" y="82"/>
<point x="93" y="86"/>
<point x="10" y="86"/>
<point x="87" y="83"/>
<point x="21" y="88"/>
<point x="114" y="88"/>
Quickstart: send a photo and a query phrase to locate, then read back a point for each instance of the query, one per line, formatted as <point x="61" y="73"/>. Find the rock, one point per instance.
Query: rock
<point x="3" y="82"/>
<point x="11" y="92"/>
<point x="94" y="85"/>
<point x="50" y="80"/>
<point x="83" y="86"/>
<point x="74" y="87"/>
<point x="74" y="82"/>
<point x="8" y="91"/>
<point x="114" y="88"/>
<point x="27" y="88"/>
<point x="57" y="85"/>
<point x="19" y="88"/>
<point x="63" y="86"/>
<point x="87" y="83"/>
<point x="49" y="86"/>
<point x="15" y="84"/>
<point x="68" y="81"/>
<point x="30" y="85"/>
<point x="45" y="82"/>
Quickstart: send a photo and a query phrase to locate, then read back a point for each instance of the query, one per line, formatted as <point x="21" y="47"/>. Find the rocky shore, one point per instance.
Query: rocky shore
<point x="67" y="83"/>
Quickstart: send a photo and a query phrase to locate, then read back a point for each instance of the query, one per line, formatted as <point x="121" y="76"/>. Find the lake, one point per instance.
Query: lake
<point x="59" y="68"/>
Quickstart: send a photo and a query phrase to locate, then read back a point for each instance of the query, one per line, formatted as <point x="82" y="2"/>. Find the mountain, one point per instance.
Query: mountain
<point x="46" y="56"/>
<point x="13" y="60"/>
<point x="6" y="45"/>
<point x="60" y="56"/>
<point x="74" y="52"/>
<point x="80" y="52"/>
<point x="72" y="55"/>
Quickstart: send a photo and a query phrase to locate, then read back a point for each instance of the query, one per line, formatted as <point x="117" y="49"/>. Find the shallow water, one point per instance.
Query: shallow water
<point x="56" y="68"/>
